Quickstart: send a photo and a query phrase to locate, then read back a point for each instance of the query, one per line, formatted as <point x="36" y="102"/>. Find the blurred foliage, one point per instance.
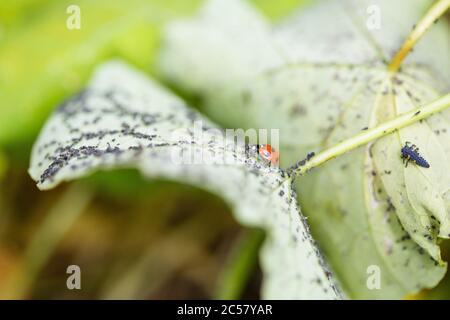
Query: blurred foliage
<point x="42" y="62"/>
<point x="167" y="241"/>
<point x="3" y="164"/>
<point x="277" y="9"/>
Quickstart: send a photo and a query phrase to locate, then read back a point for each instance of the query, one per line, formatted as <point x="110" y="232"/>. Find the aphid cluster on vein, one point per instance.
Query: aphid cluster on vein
<point x="411" y="152"/>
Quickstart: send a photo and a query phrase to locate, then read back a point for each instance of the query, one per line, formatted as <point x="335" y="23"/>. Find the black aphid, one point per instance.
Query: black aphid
<point x="411" y="152"/>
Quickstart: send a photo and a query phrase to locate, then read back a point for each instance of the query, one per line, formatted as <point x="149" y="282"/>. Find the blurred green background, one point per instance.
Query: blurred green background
<point x="131" y="238"/>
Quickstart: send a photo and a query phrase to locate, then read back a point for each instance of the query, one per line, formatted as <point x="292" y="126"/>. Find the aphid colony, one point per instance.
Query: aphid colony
<point x="411" y="153"/>
<point x="270" y="157"/>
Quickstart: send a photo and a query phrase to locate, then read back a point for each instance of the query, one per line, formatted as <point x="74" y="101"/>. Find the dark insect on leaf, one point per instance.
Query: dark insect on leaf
<point x="411" y="152"/>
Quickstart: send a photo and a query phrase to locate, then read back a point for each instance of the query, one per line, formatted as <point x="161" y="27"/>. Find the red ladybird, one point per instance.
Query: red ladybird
<point x="268" y="154"/>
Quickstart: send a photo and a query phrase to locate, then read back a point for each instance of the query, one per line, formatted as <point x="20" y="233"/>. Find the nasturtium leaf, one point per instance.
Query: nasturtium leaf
<point x="124" y="119"/>
<point x="321" y="78"/>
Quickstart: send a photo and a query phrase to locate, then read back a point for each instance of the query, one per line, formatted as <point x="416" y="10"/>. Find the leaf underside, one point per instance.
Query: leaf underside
<point x="125" y="120"/>
<point x="322" y="80"/>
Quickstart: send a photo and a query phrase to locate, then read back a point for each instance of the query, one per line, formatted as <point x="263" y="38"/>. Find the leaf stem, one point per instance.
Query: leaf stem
<point x="365" y="137"/>
<point x="433" y="14"/>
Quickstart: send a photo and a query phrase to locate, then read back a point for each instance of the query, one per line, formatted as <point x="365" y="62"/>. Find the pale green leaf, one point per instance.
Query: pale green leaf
<point x="322" y="78"/>
<point x="125" y="120"/>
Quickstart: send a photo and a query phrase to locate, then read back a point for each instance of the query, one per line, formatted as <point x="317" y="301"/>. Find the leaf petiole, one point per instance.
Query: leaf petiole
<point x="379" y="131"/>
<point x="433" y="14"/>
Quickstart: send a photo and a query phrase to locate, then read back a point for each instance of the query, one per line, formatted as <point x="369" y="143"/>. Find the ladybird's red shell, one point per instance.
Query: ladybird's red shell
<point x="265" y="151"/>
<point x="268" y="153"/>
